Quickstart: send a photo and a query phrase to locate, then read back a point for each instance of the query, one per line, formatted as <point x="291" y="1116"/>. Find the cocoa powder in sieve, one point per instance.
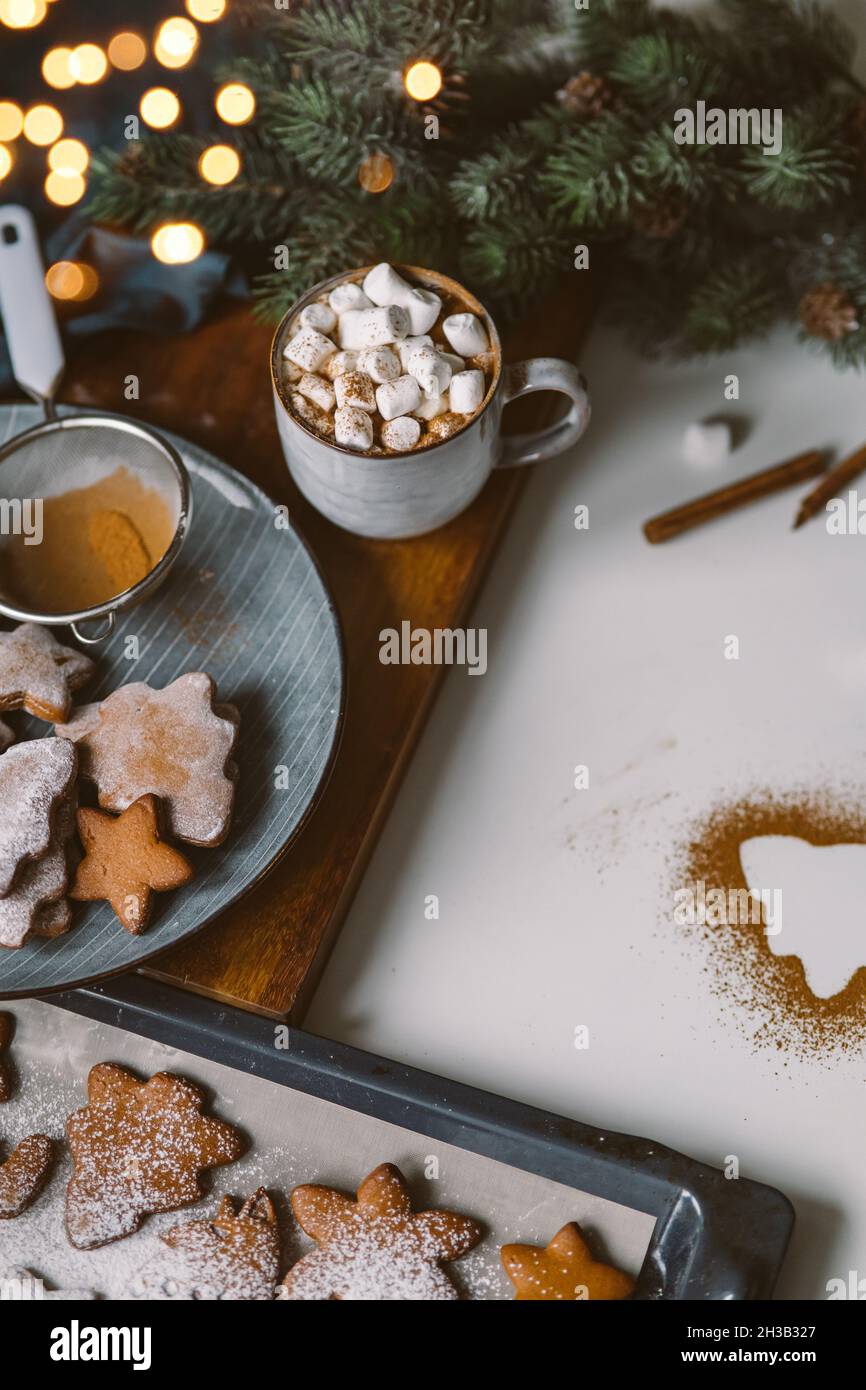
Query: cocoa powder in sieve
<point x="771" y="990"/>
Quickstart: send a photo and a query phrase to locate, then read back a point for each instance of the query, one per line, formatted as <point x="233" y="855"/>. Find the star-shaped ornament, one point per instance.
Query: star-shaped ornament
<point x="564" y="1271"/>
<point x="126" y="861"/>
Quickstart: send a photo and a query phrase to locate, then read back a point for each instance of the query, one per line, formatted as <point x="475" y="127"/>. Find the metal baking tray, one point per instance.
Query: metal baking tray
<point x="713" y="1238"/>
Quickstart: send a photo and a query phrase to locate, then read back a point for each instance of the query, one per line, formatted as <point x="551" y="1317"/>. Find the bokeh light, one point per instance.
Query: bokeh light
<point x="219" y="164"/>
<point x="69" y="157"/>
<point x="177" y="243"/>
<point x="22" y="14"/>
<point x="375" y="173"/>
<point x="235" y="103"/>
<point x="5" y="161"/>
<point x="11" y="120"/>
<point x="175" y="43"/>
<point x="159" y="107"/>
<point x="57" y="68"/>
<point x="88" y="63"/>
<point x="206" y="10"/>
<point x="423" y="81"/>
<point x="43" y="125"/>
<point x="127" y="51"/>
<point x="64" y="189"/>
<point x="71" y="280"/>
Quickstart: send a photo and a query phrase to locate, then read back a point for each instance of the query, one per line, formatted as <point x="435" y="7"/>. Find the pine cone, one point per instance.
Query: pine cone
<point x="662" y="219"/>
<point x="585" y="96"/>
<point x="827" y="312"/>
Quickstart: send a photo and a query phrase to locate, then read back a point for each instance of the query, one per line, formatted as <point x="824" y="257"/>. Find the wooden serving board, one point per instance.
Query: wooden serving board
<point x="212" y="386"/>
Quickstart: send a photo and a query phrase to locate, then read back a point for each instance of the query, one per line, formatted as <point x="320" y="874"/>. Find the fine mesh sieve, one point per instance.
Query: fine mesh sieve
<point x="72" y="451"/>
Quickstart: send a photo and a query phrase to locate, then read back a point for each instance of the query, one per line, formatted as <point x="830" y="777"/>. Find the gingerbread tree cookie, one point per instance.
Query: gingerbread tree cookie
<point x="126" y="861"/>
<point x="6" y="1023"/>
<point x="36" y="905"/>
<point x="23" y="1175"/>
<point x="174" y="743"/>
<point x="234" y="1255"/>
<point x="36" y="778"/>
<point x="375" y="1247"/>
<point x="138" y="1147"/>
<point x="564" y="1270"/>
<point x="38" y="674"/>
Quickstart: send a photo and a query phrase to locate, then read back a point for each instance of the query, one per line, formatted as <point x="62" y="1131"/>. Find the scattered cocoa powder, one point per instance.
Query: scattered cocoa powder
<point x="771" y="990"/>
<point x="97" y="541"/>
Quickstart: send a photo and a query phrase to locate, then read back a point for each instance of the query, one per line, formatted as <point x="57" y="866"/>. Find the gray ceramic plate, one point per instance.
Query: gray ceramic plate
<point x="245" y="602"/>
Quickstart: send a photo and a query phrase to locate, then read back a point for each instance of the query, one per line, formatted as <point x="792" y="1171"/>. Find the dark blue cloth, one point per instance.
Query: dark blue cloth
<point x="135" y="289"/>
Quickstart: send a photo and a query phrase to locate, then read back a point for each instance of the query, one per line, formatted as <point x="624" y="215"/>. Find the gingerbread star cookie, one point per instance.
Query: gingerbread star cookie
<point x="375" y="1247"/>
<point x="126" y="861"/>
<point x="234" y="1255"/>
<point x="565" y="1270"/>
<point x="23" y="1175"/>
<point x="6" y="1023"/>
<point x="36" y="778"/>
<point x="174" y="743"/>
<point x="38" y="674"/>
<point x="138" y="1147"/>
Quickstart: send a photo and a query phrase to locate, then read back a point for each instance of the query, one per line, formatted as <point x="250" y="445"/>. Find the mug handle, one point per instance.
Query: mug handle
<point x="545" y="374"/>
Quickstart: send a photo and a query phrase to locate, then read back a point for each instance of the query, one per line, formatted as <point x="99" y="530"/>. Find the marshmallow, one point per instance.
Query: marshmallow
<point x="407" y="344"/>
<point x="444" y="426"/>
<point x="319" y="316"/>
<point x="363" y="328"/>
<point x="309" y="349"/>
<point x="382" y="364"/>
<point x="312" y="414"/>
<point x="291" y="372"/>
<point x="316" y="390"/>
<point x="429" y="369"/>
<point x="466" y="334"/>
<point x="430" y="407"/>
<point x="400" y="397"/>
<point x="348" y="296"/>
<point x="707" y="444"/>
<point x="457" y="364"/>
<point x="354" y="390"/>
<point x="341" y="362"/>
<point x="467" y="392"/>
<point x="423" y="308"/>
<point x="353" y="429"/>
<point x="385" y="286"/>
<point x="401" y="434"/>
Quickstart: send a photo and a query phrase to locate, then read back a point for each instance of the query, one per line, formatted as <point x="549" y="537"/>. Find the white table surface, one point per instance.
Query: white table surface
<point x="554" y="904"/>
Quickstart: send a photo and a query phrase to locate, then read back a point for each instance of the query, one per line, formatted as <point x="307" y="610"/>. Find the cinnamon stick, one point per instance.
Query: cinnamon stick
<point x="849" y="469"/>
<point x="727" y="499"/>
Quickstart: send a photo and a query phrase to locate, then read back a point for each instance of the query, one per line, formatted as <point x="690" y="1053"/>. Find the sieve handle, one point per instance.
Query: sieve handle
<point x="93" y="639"/>
<point x="32" y="335"/>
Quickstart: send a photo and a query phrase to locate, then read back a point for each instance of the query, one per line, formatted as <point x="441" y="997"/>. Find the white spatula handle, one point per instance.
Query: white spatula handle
<point x="31" y="329"/>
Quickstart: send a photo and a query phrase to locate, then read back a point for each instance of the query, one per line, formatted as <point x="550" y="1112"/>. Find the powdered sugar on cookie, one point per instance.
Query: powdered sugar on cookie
<point x="35" y="778"/>
<point x="38" y="674"/>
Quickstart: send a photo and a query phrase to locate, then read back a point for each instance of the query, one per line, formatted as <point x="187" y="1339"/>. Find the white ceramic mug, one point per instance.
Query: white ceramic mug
<point x="393" y="496"/>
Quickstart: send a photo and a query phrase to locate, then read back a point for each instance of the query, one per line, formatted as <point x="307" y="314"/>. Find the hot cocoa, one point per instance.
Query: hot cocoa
<point x="379" y="365"/>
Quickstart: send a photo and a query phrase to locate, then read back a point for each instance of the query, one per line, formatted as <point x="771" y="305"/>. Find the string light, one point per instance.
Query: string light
<point x="176" y="42"/>
<point x="423" y="81"/>
<point x="69" y="157"/>
<point x="375" y="173"/>
<point x="57" y="68"/>
<point x="71" y="280"/>
<point x="64" y="189"/>
<point x="43" y="125"/>
<point x="88" y="63"/>
<point x="206" y="11"/>
<point x="5" y="161"/>
<point x="235" y="103"/>
<point x="219" y="164"/>
<point x="11" y="120"/>
<point x="22" y="14"/>
<point x="127" y="51"/>
<point x="159" y="107"/>
<point x="177" y="243"/>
